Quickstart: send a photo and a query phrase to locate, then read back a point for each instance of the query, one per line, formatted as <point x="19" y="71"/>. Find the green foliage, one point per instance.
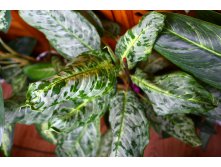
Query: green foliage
<point x="193" y="45"/>
<point x="39" y="71"/>
<point x="68" y="96"/>
<point x="5" y="20"/>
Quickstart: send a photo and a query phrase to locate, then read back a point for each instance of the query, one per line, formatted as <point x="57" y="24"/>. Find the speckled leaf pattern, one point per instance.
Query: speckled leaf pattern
<point x="47" y="132"/>
<point x="193" y="45"/>
<point x="129" y="125"/>
<point x="2" y="114"/>
<point x="5" y="20"/>
<point x="87" y="77"/>
<point x="72" y="114"/>
<point x="105" y="144"/>
<point x="215" y="113"/>
<point x="7" y="140"/>
<point x="81" y="142"/>
<point x="177" y="125"/>
<point x="68" y="31"/>
<point x="93" y="19"/>
<point x="176" y="92"/>
<point x="137" y="43"/>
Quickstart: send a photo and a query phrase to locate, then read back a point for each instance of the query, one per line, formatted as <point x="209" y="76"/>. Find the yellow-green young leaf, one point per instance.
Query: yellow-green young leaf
<point x="68" y="31"/>
<point x="137" y="43"/>
<point x="129" y="125"/>
<point x="5" y="20"/>
<point x="39" y="71"/>
<point x="105" y="144"/>
<point x="193" y="45"/>
<point x="87" y="77"/>
<point x="47" y="132"/>
<point x="7" y="140"/>
<point x="2" y="114"/>
<point x="176" y="92"/>
<point x="80" y="142"/>
<point x="176" y="125"/>
<point x="72" y="114"/>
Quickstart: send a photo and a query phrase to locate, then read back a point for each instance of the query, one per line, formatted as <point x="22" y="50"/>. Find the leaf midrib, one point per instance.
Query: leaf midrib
<point x="159" y="90"/>
<point x="193" y="43"/>
<point x="104" y="64"/>
<point x="121" y="122"/>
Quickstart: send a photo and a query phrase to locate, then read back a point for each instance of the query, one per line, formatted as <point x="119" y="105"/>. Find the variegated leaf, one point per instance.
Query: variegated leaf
<point x="105" y="144"/>
<point x="111" y="29"/>
<point x="129" y="125"/>
<point x="2" y="114"/>
<point x="5" y="20"/>
<point x="72" y="114"/>
<point x="136" y="45"/>
<point x="93" y="19"/>
<point x="80" y="142"/>
<point x="176" y="92"/>
<point x="7" y="140"/>
<point x="193" y="45"/>
<point x="87" y="77"/>
<point x="47" y="132"/>
<point x="215" y="113"/>
<point x="68" y="31"/>
<point x="177" y="125"/>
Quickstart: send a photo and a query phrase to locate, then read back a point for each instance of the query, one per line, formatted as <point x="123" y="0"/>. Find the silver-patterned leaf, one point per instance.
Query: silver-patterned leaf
<point x="176" y="92"/>
<point x="215" y="114"/>
<point x="5" y="20"/>
<point x="129" y="125"/>
<point x="80" y="142"/>
<point x="105" y="144"/>
<point x="137" y="43"/>
<point x="87" y="77"/>
<point x="7" y="140"/>
<point x="72" y="114"/>
<point x="68" y="31"/>
<point x="177" y="125"/>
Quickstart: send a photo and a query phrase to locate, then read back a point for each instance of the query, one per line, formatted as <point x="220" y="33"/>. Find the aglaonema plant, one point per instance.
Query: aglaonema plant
<point x="164" y="73"/>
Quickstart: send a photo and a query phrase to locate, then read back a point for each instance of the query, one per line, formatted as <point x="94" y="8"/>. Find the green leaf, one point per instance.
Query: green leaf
<point x="72" y="114"/>
<point x="209" y="16"/>
<point x="23" y="45"/>
<point x="215" y="113"/>
<point x="176" y="92"/>
<point x="81" y="142"/>
<point x="105" y="144"/>
<point x="93" y="19"/>
<point x="68" y="31"/>
<point x="111" y="28"/>
<point x="129" y="125"/>
<point x="39" y="71"/>
<point x="154" y="64"/>
<point x="177" y="125"/>
<point x="193" y="45"/>
<point x="7" y="140"/>
<point x="16" y="78"/>
<point x="87" y="77"/>
<point x="137" y="43"/>
<point x="2" y="114"/>
<point x="5" y="20"/>
<point x="47" y="132"/>
<point x="57" y="63"/>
